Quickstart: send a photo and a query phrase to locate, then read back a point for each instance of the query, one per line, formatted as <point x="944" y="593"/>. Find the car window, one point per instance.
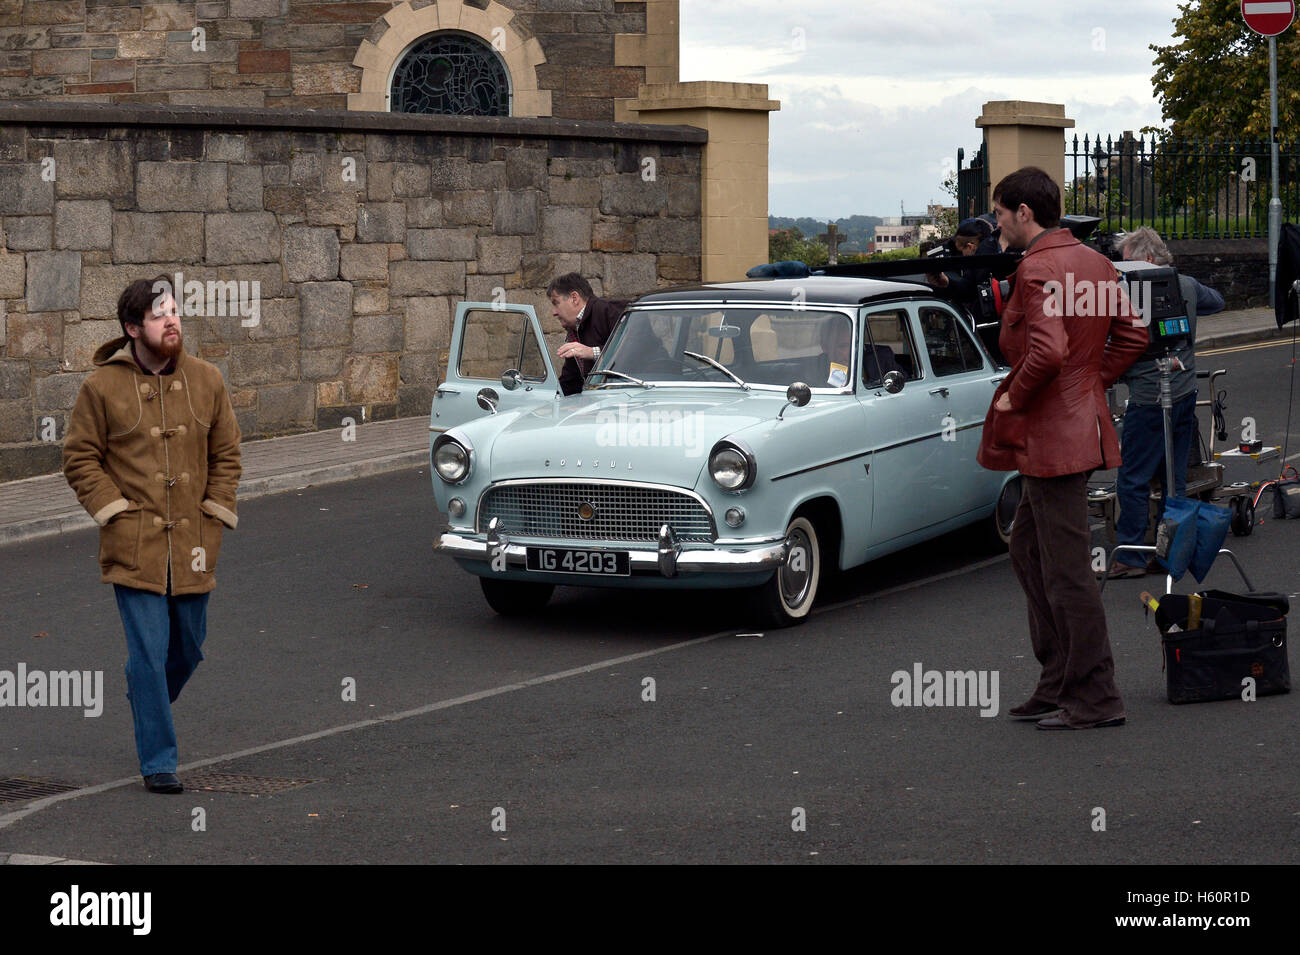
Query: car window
<point x="767" y="345"/>
<point x="888" y="347"/>
<point x="947" y="342"/>
<point x="494" y="342"/>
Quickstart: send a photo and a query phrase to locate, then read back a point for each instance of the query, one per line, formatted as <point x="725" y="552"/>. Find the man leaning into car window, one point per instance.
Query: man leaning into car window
<point x="587" y="322"/>
<point x="1049" y="420"/>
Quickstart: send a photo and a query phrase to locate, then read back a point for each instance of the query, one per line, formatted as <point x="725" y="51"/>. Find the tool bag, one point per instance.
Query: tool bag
<point x="1214" y="640"/>
<point x="1286" y="495"/>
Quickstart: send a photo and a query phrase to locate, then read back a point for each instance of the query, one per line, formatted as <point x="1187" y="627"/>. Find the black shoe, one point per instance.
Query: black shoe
<point x="1036" y="711"/>
<point x="1056" y="723"/>
<point x="163" y="783"/>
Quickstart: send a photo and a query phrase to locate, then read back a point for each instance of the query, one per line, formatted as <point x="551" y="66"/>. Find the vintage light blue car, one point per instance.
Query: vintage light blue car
<point x="748" y="435"/>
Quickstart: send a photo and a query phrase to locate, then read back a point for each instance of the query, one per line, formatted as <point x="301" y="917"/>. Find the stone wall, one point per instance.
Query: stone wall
<point x="363" y="230"/>
<point x="1235" y="268"/>
<point x="283" y="53"/>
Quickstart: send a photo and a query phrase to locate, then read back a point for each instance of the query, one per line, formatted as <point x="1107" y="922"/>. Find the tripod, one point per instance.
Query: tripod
<point x="1166" y="366"/>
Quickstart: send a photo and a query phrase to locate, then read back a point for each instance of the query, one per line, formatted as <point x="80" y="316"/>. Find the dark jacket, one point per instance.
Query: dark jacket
<point x="1061" y="366"/>
<point x="964" y="286"/>
<point x="1143" y="377"/>
<point x="598" y="320"/>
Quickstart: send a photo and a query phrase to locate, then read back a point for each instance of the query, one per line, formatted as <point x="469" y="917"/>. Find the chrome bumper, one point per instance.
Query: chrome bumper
<point x="667" y="559"/>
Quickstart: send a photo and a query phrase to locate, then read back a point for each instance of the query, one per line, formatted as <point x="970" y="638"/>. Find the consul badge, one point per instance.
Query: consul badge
<point x="595" y="463"/>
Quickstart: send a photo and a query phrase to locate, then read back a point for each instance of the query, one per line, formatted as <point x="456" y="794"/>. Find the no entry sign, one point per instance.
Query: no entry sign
<point x="1268" y="17"/>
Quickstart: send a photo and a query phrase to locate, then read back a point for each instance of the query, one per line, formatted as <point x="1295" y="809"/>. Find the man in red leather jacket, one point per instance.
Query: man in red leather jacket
<point x="1068" y="332"/>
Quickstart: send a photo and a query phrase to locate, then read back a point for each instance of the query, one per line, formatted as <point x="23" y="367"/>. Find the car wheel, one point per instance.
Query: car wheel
<point x="1004" y="513"/>
<point x="788" y="597"/>
<point x="514" y="598"/>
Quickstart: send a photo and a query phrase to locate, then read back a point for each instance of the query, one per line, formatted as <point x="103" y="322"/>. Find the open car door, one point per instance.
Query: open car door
<point x="488" y="340"/>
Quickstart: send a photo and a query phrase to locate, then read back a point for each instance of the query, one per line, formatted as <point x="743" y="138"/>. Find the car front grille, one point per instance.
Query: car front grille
<point x="623" y="512"/>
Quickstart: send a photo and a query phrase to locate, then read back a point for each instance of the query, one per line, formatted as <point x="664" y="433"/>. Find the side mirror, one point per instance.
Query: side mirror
<point x="510" y="380"/>
<point x="893" y="382"/>
<point x="798" y="394"/>
<point x="488" y="399"/>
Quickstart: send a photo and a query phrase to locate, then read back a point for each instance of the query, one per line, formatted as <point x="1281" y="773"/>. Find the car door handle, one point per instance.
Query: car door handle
<point x="942" y="392"/>
<point x="999" y="379"/>
<point x="448" y="391"/>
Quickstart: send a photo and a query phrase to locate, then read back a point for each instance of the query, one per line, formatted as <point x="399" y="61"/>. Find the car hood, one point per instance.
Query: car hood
<point x="656" y="435"/>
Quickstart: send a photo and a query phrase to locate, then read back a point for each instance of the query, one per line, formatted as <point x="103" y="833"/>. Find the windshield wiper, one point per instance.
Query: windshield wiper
<point x="619" y="374"/>
<point x="722" y="368"/>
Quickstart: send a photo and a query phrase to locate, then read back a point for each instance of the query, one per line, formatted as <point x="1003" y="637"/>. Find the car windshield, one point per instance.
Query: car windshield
<point x="761" y="346"/>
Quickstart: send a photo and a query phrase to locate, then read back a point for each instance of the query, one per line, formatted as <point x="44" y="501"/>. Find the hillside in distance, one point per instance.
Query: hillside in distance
<point x="859" y="229"/>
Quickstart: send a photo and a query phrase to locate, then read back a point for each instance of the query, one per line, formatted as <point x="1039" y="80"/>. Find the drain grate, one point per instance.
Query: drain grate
<point x="22" y="788"/>
<point x="236" y="783"/>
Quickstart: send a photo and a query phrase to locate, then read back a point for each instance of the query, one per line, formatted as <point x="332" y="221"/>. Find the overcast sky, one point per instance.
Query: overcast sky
<point x="876" y="95"/>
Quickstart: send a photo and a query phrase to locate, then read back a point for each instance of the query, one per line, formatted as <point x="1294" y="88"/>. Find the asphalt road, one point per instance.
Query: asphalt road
<point x="463" y="719"/>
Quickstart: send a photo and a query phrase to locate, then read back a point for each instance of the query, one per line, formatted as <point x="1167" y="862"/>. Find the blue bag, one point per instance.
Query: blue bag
<point x="1195" y="531"/>
<point x="1176" y="536"/>
<point x="1211" y="530"/>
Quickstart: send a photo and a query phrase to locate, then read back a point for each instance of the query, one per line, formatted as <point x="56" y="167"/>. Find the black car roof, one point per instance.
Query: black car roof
<point x="813" y="290"/>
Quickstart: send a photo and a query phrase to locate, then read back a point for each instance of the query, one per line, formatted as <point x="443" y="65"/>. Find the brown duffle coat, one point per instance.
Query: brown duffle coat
<point x="154" y="459"/>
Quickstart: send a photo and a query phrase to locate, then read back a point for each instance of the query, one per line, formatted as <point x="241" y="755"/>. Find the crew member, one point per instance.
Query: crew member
<point x="1143" y="447"/>
<point x="974" y="237"/>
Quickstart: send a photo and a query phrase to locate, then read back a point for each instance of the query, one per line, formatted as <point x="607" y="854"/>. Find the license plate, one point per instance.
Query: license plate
<point x="565" y="560"/>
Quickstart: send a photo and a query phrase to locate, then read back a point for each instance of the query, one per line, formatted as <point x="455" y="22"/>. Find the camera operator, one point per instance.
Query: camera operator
<point x="974" y="237"/>
<point x="1143" y="441"/>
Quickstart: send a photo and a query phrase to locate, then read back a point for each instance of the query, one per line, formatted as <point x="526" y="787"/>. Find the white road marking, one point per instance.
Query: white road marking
<point x="10" y="818"/>
<point x="889" y="591"/>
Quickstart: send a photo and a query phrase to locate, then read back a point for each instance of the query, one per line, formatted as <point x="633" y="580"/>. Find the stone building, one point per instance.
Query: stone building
<point x="350" y="171"/>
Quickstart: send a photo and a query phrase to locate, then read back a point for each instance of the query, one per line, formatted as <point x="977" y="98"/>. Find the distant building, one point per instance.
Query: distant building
<point x="896" y="233"/>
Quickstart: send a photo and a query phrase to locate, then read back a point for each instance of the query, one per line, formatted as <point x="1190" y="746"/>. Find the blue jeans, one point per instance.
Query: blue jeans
<point x="1143" y="450"/>
<point x="164" y="640"/>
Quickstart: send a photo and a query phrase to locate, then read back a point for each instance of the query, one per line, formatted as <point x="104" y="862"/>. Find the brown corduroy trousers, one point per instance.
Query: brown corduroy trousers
<point x="1051" y="555"/>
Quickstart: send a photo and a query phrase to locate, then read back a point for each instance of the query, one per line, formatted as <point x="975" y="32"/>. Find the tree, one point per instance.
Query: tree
<point x="1213" y="82"/>
<point x="789" y="245"/>
<point x="948" y="220"/>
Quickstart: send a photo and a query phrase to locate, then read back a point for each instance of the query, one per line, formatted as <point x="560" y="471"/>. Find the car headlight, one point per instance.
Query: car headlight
<point x="452" y="458"/>
<point x="732" y="466"/>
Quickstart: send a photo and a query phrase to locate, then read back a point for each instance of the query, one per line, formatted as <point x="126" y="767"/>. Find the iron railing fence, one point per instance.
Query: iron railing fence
<point x="1182" y="188"/>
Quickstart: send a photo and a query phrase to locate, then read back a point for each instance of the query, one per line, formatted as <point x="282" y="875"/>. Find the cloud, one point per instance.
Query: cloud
<point x="877" y="96"/>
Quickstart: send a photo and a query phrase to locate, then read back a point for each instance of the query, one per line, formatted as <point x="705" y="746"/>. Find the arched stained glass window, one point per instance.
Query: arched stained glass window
<point x="451" y="73"/>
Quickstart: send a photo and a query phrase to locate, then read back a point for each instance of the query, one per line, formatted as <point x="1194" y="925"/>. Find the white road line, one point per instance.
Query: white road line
<point x="889" y="591"/>
<point x="9" y="819"/>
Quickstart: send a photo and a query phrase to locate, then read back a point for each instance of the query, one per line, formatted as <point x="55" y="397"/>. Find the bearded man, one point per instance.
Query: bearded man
<point x="152" y="452"/>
